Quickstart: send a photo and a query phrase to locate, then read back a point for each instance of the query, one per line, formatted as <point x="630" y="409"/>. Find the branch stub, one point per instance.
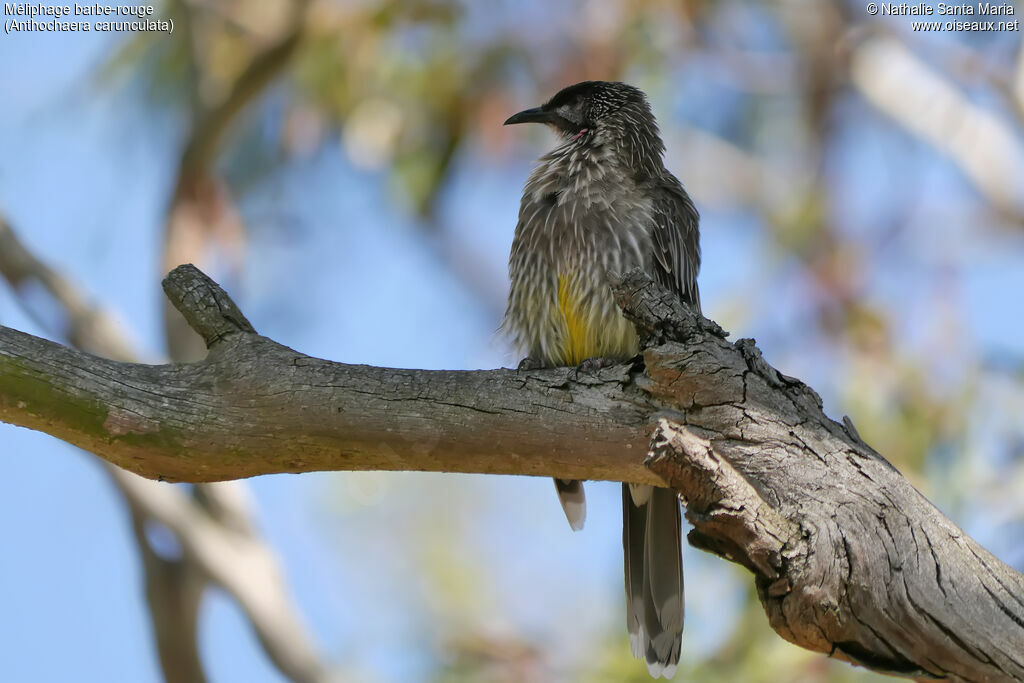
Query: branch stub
<point x="205" y="305"/>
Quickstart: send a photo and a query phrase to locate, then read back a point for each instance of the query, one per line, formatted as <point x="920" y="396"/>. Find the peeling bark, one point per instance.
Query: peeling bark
<point x="849" y="559"/>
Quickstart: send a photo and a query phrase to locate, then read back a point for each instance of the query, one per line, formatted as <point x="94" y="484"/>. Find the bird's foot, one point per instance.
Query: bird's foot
<point x="592" y="365"/>
<point x="529" y="363"/>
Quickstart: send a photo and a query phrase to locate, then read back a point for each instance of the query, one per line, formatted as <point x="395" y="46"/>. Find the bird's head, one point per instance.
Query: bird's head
<point x="592" y="107"/>
<point x="605" y="114"/>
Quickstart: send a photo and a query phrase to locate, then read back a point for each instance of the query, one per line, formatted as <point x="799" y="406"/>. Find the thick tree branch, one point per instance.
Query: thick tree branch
<point x="849" y="558"/>
<point x="256" y="407"/>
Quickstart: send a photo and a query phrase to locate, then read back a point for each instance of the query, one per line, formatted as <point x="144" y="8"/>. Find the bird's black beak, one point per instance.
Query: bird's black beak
<point x="535" y="115"/>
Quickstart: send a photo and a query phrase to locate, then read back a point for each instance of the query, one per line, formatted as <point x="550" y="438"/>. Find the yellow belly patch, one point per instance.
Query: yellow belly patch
<point x="577" y="343"/>
<point x="587" y="333"/>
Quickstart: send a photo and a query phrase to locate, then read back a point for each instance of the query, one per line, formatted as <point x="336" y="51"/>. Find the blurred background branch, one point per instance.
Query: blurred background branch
<point x="202" y="209"/>
<point x="982" y="145"/>
<point x="214" y="536"/>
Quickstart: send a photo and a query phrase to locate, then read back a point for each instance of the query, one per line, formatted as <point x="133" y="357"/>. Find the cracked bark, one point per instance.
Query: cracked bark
<point x="849" y="559"/>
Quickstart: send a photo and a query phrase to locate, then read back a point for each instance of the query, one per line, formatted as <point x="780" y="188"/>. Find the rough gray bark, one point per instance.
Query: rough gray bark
<point x="849" y="558"/>
<point x="255" y="407"/>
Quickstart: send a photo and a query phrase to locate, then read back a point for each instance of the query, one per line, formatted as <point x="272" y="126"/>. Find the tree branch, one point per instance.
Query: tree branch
<point x="256" y="407"/>
<point x="265" y="65"/>
<point x="235" y="559"/>
<point x="849" y="559"/>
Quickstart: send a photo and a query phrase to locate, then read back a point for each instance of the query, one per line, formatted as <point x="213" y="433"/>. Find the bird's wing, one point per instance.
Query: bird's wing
<point x="676" y="240"/>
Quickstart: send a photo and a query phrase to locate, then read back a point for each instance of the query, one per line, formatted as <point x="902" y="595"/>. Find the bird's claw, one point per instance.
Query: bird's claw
<point x="592" y="365"/>
<point x="529" y="363"/>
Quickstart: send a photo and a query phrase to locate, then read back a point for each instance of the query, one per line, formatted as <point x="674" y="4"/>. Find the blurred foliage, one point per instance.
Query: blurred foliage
<point x="412" y="89"/>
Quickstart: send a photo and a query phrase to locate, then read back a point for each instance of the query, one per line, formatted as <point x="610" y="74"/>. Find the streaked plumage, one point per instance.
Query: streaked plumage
<point x="600" y="203"/>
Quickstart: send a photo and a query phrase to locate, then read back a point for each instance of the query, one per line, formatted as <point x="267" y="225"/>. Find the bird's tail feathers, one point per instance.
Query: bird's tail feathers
<point x="655" y="608"/>
<point x="573" y="500"/>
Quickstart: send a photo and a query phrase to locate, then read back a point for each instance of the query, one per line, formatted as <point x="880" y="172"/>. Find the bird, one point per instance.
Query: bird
<point x="599" y="204"/>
